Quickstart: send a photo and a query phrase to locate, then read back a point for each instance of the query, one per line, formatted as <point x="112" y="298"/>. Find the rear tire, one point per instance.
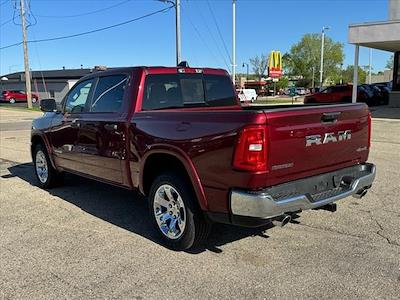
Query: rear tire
<point x="175" y="213"/>
<point x="46" y="175"/>
<point x="12" y="100"/>
<point x="34" y="100"/>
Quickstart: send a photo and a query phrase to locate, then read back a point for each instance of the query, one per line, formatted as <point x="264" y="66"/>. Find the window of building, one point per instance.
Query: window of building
<point x="77" y="98"/>
<point x="109" y="93"/>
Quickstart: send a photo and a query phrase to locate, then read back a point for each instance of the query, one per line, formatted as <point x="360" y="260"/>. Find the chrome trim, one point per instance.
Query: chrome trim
<point x="263" y="205"/>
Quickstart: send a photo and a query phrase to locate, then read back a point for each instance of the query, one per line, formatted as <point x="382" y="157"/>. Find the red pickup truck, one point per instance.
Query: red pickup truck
<point x="179" y="136"/>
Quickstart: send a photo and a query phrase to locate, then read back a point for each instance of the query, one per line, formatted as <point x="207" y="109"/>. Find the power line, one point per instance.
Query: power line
<point x="86" y="13"/>
<point x="6" y="22"/>
<point x="219" y="31"/>
<point x="212" y="36"/>
<point x="202" y="39"/>
<point x="91" y="31"/>
<point x="4" y="2"/>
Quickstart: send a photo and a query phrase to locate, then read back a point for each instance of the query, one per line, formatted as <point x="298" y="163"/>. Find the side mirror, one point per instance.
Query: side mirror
<point x="48" y="105"/>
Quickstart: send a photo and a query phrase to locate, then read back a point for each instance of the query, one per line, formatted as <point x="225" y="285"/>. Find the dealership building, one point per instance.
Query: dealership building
<point x="382" y="35"/>
<point x="46" y="84"/>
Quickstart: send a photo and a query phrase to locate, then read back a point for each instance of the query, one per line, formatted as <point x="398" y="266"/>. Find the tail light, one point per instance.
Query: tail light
<point x="369" y="129"/>
<point x="251" y="150"/>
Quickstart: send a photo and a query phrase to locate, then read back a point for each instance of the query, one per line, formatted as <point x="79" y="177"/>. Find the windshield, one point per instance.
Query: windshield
<point x="187" y="90"/>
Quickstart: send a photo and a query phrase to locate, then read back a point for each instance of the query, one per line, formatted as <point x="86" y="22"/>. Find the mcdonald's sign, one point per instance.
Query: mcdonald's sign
<point x="275" y="64"/>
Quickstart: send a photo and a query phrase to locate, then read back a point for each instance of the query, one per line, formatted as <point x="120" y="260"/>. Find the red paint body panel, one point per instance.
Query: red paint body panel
<point x="204" y="140"/>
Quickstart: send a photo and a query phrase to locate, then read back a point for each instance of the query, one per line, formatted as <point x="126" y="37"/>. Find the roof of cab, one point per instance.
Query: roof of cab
<point x="156" y="70"/>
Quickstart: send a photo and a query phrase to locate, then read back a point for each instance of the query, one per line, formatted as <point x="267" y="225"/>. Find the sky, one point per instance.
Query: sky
<point x="261" y="26"/>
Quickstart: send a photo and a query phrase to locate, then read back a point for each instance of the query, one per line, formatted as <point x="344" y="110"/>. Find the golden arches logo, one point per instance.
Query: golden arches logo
<point x="275" y="64"/>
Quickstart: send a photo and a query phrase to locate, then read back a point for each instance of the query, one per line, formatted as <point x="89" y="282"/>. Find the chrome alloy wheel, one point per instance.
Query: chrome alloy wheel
<point x="42" y="169"/>
<point x="169" y="211"/>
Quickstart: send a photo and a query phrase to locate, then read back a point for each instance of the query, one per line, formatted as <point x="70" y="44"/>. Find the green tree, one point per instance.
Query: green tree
<point x="390" y="63"/>
<point x="259" y="65"/>
<point x="348" y="73"/>
<point x="282" y="83"/>
<point x="305" y="56"/>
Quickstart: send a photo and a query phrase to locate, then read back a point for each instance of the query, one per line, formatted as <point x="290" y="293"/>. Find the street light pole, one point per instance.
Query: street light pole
<point x="370" y="67"/>
<point x="177" y="5"/>
<point x="247" y="74"/>
<point x="313" y="78"/>
<point x="178" y="31"/>
<point x="321" y="72"/>
<point x="28" y="86"/>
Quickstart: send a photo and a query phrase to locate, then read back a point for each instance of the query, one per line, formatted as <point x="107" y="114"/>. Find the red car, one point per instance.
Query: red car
<point x="179" y="136"/>
<point x="337" y="94"/>
<point x="17" y="96"/>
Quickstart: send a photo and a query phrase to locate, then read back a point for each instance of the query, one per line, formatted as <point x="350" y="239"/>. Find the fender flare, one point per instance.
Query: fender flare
<point x="186" y="162"/>
<point x="46" y="143"/>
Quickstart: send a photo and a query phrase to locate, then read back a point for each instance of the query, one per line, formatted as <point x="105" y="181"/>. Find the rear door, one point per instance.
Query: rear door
<point x="312" y="140"/>
<point x="101" y="138"/>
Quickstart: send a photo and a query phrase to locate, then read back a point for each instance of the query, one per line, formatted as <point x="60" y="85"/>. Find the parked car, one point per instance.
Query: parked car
<point x="385" y="90"/>
<point x="180" y="137"/>
<point x="340" y="94"/>
<point x="376" y="95"/>
<point x="17" y="96"/>
<point x="247" y="95"/>
<point x="300" y="91"/>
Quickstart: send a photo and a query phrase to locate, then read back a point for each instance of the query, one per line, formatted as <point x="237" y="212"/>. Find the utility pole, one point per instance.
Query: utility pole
<point x="370" y="67"/>
<point x="321" y="72"/>
<point x="178" y="31"/>
<point x="28" y="87"/>
<point x="234" y="41"/>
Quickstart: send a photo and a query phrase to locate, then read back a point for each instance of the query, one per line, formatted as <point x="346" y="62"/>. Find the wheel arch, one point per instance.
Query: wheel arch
<point x="37" y="139"/>
<point x="158" y="160"/>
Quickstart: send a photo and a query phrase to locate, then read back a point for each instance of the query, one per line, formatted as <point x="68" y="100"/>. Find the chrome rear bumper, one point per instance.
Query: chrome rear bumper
<point x="303" y="194"/>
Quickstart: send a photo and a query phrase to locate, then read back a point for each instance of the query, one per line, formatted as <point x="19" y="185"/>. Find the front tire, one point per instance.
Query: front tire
<point x="12" y="100"/>
<point x="46" y="175"/>
<point x="34" y="100"/>
<point x="175" y="213"/>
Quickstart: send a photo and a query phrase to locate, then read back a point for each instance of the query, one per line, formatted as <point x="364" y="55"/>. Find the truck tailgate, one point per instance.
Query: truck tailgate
<point x="310" y="140"/>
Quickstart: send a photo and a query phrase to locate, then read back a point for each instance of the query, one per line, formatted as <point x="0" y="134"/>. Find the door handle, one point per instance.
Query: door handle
<point x="110" y="127"/>
<point x="75" y="123"/>
<point x="113" y="128"/>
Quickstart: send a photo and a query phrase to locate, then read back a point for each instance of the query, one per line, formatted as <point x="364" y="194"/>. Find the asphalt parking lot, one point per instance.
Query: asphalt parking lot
<point x="90" y="240"/>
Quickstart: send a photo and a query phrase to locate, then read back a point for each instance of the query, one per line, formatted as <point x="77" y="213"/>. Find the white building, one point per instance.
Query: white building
<point x="383" y="35"/>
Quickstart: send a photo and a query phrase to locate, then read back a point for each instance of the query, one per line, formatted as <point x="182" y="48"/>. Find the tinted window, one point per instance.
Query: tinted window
<point x="109" y="93"/>
<point x="219" y="90"/>
<point x="327" y="90"/>
<point x="77" y="98"/>
<point x="187" y="90"/>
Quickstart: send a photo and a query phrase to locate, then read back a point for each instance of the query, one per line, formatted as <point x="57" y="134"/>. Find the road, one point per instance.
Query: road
<point x="90" y="240"/>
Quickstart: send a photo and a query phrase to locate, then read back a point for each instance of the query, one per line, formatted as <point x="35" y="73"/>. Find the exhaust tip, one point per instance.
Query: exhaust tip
<point x="361" y="194"/>
<point x="281" y="220"/>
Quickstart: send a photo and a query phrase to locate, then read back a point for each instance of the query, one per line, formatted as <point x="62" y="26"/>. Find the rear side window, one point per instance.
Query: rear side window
<point x="187" y="90"/>
<point x="219" y="90"/>
<point x="109" y="93"/>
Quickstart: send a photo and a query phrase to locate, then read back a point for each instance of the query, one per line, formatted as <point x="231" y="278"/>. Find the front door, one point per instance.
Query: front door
<point x="65" y="126"/>
<point x="101" y="139"/>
